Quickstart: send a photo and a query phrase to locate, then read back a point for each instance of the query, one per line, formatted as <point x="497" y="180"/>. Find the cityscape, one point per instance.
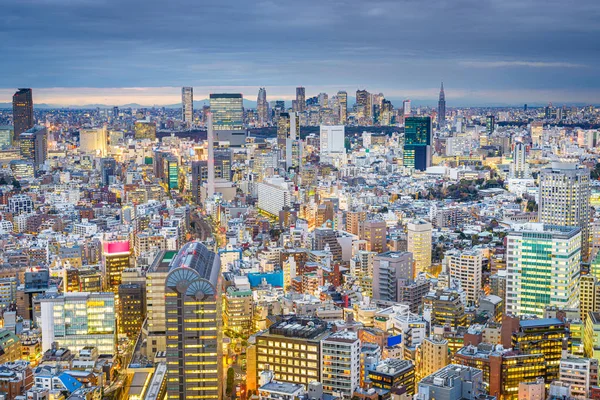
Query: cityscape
<point x="184" y="218"/>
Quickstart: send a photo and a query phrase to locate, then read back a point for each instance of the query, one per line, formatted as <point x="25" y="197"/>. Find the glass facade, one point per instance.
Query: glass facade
<point x="227" y="110"/>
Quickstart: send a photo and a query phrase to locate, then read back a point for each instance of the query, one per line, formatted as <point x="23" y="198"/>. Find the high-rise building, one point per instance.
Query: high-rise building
<point x="519" y="167"/>
<point x="580" y="374"/>
<point x="467" y="267"/>
<point x="291" y="348"/>
<point x="536" y="130"/>
<point x="115" y="258"/>
<point x="406" y="107"/>
<point x="108" y="170"/>
<point x="434" y="355"/>
<point x="591" y="336"/>
<point x="227" y="110"/>
<point x="199" y="177"/>
<point x="340" y="363"/>
<point x="193" y="326"/>
<point x="93" y="140"/>
<point x="388" y="270"/>
<point x="442" y="108"/>
<point x="262" y="107"/>
<point x="300" y="99"/>
<point x="78" y="320"/>
<point x="419" y="244"/>
<point x="187" y="105"/>
<point x="564" y="199"/>
<point x="490" y="124"/>
<point x="22" y="112"/>
<point x="375" y="235"/>
<point x="131" y="309"/>
<point x="7" y="135"/>
<point x="365" y="106"/>
<point x="392" y="373"/>
<point x="417" y="143"/>
<point x="589" y="295"/>
<point x="542" y="267"/>
<point x="332" y="139"/>
<point x="447" y="308"/>
<point x="343" y="102"/>
<point x="33" y="144"/>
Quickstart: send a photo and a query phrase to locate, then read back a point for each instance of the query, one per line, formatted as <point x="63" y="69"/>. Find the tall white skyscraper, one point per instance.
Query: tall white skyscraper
<point x="340" y="363"/>
<point x="187" y="105"/>
<point x="565" y="199"/>
<point x="519" y="167"/>
<point x="406" y="107"/>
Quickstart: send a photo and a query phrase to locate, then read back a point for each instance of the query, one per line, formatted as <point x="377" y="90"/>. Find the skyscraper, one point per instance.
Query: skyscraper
<point x="300" y="99"/>
<point x="193" y="327"/>
<point x="343" y="102"/>
<point x="227" y="110"/>
<point x="442" y="108"/>
<point x="33" y="144"/>
<point x="406" y="107"/>
<point x="542" y="268"/>
<point x="519" y="168"/>
<point x="490" y="124"/>
<point x="365" y="106"/>
<point x="417" y="143"/>
<point x="565" y="199"/>
<point x="187" y="105"/>
<point x="262" y="107"/>
<point x="22" y="112"/>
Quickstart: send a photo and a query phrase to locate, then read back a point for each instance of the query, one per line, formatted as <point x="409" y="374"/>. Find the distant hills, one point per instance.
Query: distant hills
<point x="197" y="105"/>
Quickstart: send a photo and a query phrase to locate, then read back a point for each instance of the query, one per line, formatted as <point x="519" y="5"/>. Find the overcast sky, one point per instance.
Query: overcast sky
<point x="485" y="51"/>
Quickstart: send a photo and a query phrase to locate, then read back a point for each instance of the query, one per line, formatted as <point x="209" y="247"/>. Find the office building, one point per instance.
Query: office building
<point x="171" y="173"/>
<point x="389" y="269"/>
<point x="7" y="133"/>
<point x="580" y="374"/>
<point x="115" y="258"/>
<point x="536" y="130"/>
<point x="22" y="112"/>
<point x="274" y="194"/>
<point x="446" y="307"/>
<point x="393" y="373"/>
<point x="78" y="320"/>
<point x="145" y="130"/>
<point x="131" y="309"/>
<point x="453" y="382"/>
<point x="434" y="355"/>
<point x="343" y="102"/>
<point x="375" y="235"/>
<point x="490" y="124"/>
<point x="503" y="369"/>
<point x="419" y="244"/>
<point x="291" y="348"/>
<point x="589" y="295"/>
<point x="364" y="104"/>
<point x="591" y="336"/>
<point x="542" y="268"/>
<point x="300" y="99"/>
<point x="442" y="108"/>
<point x="332" y="139"/>
<point x="564" y="199"/>
<point x="406" y="108"/>
<point x="519" y="167"/>
<point x="108" y="170"/>
<point x="545" y="336"/>
<point x="467" y="268"/>
<point x="340" y="363"/>
<point x="155" y="328"/>
<point x="93" y="140"/>
<point x="199" y="177"/>
<point x="417" y="143"/>
<point x="33" y="144"/>
<point x="227" y="110"/>
<point x="187" y="105"/>
<point x="262" y="107"/>
<point x="193" y="326"/>
<point x="238" y="309"/>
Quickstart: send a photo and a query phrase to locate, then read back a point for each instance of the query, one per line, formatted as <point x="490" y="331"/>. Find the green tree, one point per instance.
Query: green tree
<point x="230" y="382"/>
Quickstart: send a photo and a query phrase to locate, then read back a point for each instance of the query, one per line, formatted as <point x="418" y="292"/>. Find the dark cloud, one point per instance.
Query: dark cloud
<point x="481" y="45"/>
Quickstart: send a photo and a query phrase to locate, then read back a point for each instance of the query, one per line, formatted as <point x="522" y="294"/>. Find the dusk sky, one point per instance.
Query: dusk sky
<point x="74" y="52"/>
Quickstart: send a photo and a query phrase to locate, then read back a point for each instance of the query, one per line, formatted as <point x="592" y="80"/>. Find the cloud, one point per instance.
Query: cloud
<point x="510" y="64"/>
